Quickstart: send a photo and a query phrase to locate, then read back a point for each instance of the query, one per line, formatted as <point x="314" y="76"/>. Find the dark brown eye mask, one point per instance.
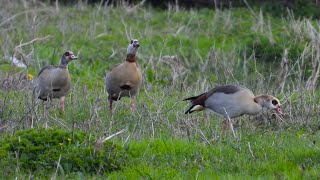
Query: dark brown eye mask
<point x="274" y="102"/>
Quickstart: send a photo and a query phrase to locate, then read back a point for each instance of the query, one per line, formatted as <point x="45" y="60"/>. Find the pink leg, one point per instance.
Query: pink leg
<point x="110" y="105"/>
<point x="132" y="105"/>
<point x="45" y="110"/>
<point x="46" y="113"/>
<point x="226" y="124"/>
<point x="62" y="100"/>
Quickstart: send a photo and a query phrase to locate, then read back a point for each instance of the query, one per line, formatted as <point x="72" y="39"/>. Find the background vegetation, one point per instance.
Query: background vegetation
<point x="183" y="52"/>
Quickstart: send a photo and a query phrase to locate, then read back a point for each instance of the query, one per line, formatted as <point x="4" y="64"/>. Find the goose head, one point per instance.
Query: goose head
<point x="133" y="46"/>
<point x="67" y="57"/>
<point x="269" y="102"/>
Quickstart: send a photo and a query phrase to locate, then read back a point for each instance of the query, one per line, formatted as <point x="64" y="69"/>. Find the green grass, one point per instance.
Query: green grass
<point x="183" y="53"/>
<point x="277" y="156"/>
<point x="263" y="155"/>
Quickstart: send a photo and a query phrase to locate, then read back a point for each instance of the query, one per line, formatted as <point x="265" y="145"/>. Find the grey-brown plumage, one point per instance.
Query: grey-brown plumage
<point x="125" y="79"/>
<point x="233" y="101"/>
<point x="54" y="81"/>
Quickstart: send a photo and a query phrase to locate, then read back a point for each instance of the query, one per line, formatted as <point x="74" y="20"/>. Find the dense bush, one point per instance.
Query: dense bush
<point x="300" y="8"/>
<point x="271" y="51"/>
<point x="38" y="152"/>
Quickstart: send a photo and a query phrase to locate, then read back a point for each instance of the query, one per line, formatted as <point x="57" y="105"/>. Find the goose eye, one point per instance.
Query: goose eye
<point x="131" y="41"/>
<point x="67" y="54"/>
<point x="274" y="102"/>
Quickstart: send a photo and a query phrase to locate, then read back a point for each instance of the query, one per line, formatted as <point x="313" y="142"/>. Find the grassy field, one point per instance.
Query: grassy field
<point x="183" y="53"/>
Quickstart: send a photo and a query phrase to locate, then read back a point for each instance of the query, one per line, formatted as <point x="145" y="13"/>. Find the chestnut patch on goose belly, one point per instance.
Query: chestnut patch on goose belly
<point x="56" y="90"/>
<point x="125" y="87"/>
<point x="43" y="98"/>
<point x="115" y="98"/>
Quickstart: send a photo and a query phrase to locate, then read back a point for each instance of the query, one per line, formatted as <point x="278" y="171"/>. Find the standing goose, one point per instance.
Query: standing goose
<point x="233" y="101"/>
<point x="54" y="81"/>
<point x="125" y="79"/>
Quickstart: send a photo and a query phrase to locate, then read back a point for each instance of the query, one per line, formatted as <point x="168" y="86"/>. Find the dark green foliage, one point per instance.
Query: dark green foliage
<point x="307" y="8"/>
<point x="263" y="49"/>
<point x="272" y="51"/>
<point x="301" y="8"/>
<point x="38" y="151"/>
<point x="150" y="75"/>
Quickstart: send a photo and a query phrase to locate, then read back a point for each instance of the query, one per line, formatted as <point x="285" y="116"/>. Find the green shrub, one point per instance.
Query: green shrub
<point x="264" y="49"/>
<point x="38" y="151"/>
<point x="269" y="51"/>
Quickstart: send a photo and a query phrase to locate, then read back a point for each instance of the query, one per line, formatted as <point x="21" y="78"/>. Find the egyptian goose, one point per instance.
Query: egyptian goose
<point x="125" y="79"/>
<point x="232" y="101"/>
<point x="54" y="81"/>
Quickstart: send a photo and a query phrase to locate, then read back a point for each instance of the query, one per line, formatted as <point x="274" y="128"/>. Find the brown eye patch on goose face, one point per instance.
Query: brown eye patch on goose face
<point x="274" y="102"/>
<point x="67" y="53"/>
<point x="131" y="41"/>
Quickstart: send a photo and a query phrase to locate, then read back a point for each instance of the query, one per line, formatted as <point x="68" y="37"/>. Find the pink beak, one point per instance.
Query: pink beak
<point x="279" y="110"/>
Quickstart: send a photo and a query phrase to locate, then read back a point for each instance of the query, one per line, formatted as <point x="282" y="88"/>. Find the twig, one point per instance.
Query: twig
<point x="111" y="136"/>
<point x="136" y="6"/>
<point x="280" y="117"/>
<point x="231" y="126"/>
<point x="32" y="41"/>
<point x="25" y="115"/>
<point x="57" y="6"/>
<point x="114" y="52"/>
<point x="17" y="160"/>
<point x="251" y="10"/>
<point x="203" y="136"/>
<point x="250" y="150"/>
<point x="19" y="14"/>
<point x="125" y="28"/>
<point x="55" y="174"/>
<point x="127" y="139"/>
<point x="16" y="49"/>
<point x="61" y="123"/>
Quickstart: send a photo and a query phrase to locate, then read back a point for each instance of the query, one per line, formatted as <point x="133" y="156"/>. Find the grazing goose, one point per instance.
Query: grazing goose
<point x="54" y="81"/>
<point x="233" y="101"/>
<point x="125" y="79"/>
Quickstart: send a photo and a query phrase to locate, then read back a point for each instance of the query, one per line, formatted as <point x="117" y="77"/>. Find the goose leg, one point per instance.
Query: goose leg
<point x="226" y="124"/>
<point x="45" y="104"/>
<point x="132" y="105"/>
<point x="110" y="104"/>
<point x="46" y="113"/>
<point x="62" y="102"/>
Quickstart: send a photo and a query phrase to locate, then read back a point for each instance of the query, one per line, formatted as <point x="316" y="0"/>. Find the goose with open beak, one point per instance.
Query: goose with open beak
<point x="232" y="101"/>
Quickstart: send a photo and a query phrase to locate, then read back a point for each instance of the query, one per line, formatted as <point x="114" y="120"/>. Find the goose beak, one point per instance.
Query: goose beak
<point x="136" y="45"/>
<point x="279" y="110"/>
<point x="73" y="57"/>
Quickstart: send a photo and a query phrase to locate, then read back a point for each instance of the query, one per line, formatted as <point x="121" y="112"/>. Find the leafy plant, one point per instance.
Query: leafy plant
<point x="41" y="151"/>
